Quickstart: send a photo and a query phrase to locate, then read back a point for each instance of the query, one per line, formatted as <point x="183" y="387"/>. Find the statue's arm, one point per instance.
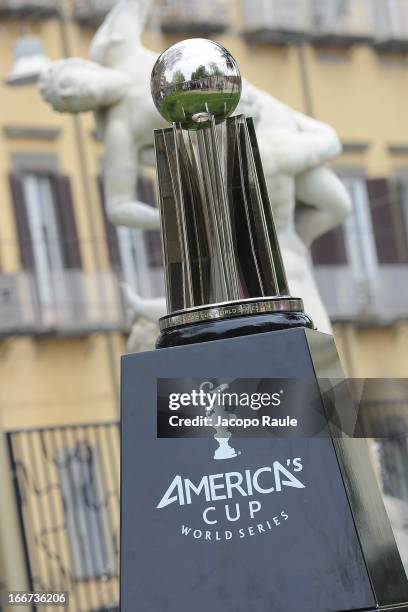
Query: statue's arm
<point x="152" y="309"/>
<point x="121" y="173"/>
<point x="320" y="138"/>
<point x="294" y="152"/>
<point x="328" y="203"/>
<point x="122" y="207"/>
<point x="75" y="85"/>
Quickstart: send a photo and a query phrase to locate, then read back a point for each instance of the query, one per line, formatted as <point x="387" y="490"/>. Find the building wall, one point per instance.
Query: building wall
<point x="58" y="377"/>
<point x="48" y="380"/>
<point x="360" y="92"/>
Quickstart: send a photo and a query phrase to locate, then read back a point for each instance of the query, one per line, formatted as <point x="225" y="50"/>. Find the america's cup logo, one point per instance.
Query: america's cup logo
<point x="217" y="412"/>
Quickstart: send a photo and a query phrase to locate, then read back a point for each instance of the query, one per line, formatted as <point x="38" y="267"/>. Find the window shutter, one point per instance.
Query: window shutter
<point x="153" y="241"/>
<point x="22" y="224"/>
<point x="110" y="230"/>
<point x="401" y="188"/>
<point x="66" y="216"/>
<point x="330" y="249"/>
<point x="387" y="220"/>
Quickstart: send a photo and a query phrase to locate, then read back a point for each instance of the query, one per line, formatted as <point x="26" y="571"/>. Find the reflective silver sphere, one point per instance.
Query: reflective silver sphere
<point x="193" y="80"/>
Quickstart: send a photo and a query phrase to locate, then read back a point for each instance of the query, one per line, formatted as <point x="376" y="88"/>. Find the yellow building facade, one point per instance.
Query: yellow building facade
<point x="60" y="356"/>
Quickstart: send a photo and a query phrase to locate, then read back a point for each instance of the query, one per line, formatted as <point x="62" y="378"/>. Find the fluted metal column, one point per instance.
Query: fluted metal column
<point x="220" y="242"/>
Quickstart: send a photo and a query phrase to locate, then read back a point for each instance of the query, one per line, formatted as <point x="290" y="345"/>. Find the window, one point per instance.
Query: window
<point x="402" y="191"/>
<point x="387" y="218"/>
<point x="351" y="243"/>
<point x="375" y="234"/>
<point x="404" y="204"/>
<point x="48" y="241"/>
<point x="136" y="254"/>
<point x="134" y="262"/>
<point x="394" y="461"/>
<point x="330" y="249"/>
<point x="46" y="244"/>
<point x="390" y="456"/>
<point x="360" y="263"/>
<point x="359" y="232"/>
<point x="86" y="512"/>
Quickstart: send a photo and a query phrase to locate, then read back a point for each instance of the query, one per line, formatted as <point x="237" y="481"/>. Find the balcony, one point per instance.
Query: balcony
<point x="341" y="24"/>
<point x="76" y="303"/>
<point x="374" y="302"/>
<point x="17" y="310"/>
<point x="276" y="21"/>
<point x="91" y="12"/>
<point x="190" y="16"/>
<point x="169" y="16"/>
<point x="391" y="21"/>
<point x="331" y="23"/>
<point x="32" y="9"/>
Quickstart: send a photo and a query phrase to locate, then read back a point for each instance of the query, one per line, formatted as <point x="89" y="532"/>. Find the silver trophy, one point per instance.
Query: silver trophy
<point x="221" y="252"/>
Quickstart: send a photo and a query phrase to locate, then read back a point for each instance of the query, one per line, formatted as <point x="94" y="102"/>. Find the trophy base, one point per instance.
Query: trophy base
<point x="287" y="523"/>
<point x="221" y="329"/>
<point x="385" y="609"/>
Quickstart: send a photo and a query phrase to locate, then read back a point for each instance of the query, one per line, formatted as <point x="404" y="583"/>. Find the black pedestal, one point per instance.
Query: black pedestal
<point x="321" y="543"/>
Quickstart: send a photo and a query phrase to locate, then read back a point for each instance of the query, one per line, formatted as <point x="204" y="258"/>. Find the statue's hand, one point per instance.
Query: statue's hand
<point x="328" y="203"/>
<point x="76" y="85"/>
<point x="149" y="308"/>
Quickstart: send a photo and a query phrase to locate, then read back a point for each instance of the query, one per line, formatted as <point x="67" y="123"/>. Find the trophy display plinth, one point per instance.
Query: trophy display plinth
<point x="323" y="547"/>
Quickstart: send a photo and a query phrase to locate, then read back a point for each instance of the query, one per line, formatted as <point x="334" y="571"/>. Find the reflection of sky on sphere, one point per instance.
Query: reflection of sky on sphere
<point x="187" y="56"/>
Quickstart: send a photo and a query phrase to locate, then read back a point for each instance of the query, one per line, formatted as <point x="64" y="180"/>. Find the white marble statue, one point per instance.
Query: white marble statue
<point x="294" y="149"/>
<point x="115" y="85"/>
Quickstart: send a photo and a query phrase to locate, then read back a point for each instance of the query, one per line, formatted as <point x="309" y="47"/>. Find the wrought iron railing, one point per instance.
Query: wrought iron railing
<point x="186" y="16"/>
<point x="352" y="20"/>
<point x="90" y="302"/>
<point x="30" y="8"/>
<point x="329" y="21"/>
<point x="274" y="19"/>
<point x="165" y="15"/>
<point x="67" y="484"/>
<point x="391" y="24"/>
<point x="371" y="300"/>
<point x="70" y="302"/>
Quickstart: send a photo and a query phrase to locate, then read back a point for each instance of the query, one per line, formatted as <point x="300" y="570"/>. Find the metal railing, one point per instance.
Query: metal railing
<point x="282" y="17"/>
<point x="351" y="19"/>
<point x="190" y="16"/>
<point x="165" y="15"/>
<point x="391" y="23"/>
<point x="336" y="21"/>
<point x="84" y="302"/>
<point x="33" y="9"/>
<point x="67" y="484"/>
<point x="72" y="302"/>
<point x="383" y="22"/>
<point x="380" y="300"/>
